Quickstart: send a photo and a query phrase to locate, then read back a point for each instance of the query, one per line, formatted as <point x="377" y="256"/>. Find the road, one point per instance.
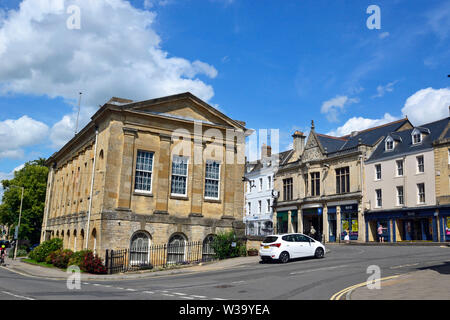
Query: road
<point x="303" y="279"/>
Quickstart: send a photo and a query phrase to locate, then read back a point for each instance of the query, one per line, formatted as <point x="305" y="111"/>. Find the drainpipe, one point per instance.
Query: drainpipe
<point x="92" y="190"/>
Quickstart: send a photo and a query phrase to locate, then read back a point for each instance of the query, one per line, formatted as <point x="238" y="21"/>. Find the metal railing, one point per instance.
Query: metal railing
<point x="164" y="255"/>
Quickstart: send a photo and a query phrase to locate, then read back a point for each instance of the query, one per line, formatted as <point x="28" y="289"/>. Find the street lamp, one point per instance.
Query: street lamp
<point x="18" y="226"/>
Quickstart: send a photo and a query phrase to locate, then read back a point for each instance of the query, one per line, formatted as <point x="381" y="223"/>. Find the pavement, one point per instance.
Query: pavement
<point x="427" y="284"/>
<point x="27" y="269"/>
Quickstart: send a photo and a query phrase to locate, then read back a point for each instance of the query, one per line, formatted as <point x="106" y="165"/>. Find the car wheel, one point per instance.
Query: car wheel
<point x="284" y="257"/>
<point x="319" y="254"/>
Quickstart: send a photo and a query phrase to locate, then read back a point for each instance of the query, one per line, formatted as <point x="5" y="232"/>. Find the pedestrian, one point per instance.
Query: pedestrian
<point x="312" y="232"/>
<point x="347" y="236"/>
<point x="2" y="254"/>
<point x="380" y="233"/>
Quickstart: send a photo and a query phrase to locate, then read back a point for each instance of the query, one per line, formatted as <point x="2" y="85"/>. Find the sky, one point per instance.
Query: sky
<point x="273" y="64"/>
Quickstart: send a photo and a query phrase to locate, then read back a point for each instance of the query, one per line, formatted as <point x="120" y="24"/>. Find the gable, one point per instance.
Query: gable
<point x="186" y="108"/>
<point x="313" y="149"/>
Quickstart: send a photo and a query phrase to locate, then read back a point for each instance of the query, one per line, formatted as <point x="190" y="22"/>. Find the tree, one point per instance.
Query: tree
<point x="33" y="177"/>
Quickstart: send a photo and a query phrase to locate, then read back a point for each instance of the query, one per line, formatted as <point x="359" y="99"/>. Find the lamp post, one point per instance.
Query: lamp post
<point x="18" y="226"/>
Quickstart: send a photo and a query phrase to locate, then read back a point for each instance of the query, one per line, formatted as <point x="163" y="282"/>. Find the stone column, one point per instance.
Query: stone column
<point x="198" y="167"/>
<point x="126" y="169"/>
<point x="289" y="221"/>
<point x="325" y="232"/>
<point x="274" y="221"/>
<point x="361" y="223"/>
<point x="338" y="224"/>
<point x="162" y="192"/>
<point x="300" y="220"/>
<point x="229" y="185"/>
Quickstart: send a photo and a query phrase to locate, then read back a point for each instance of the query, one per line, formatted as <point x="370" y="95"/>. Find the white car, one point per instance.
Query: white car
<point x="290" y="246"/>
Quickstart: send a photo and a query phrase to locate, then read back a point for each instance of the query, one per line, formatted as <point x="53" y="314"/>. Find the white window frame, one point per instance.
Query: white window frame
<point x="418" y="163"/>
<point x="187" y="177"/>
<point x="218" y="184"/>
<point x="398" y="195"/>
<point x="377" y="205"/>
<point x="376" y="172"/>
<point x="389" y="140"/>
<point x="151" y="172"/>
<point x="397" y="168"/>
<point x="414" y="134"/>
<point x="418" y="193"/>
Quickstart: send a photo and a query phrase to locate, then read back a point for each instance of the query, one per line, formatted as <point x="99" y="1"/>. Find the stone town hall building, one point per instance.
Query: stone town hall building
<point x="157" y="171"/>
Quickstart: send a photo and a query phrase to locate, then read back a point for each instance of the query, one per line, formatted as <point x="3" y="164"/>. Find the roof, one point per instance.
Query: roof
<point x="368" y="136"/>
<point x="405" y="146"/>
<point x="283" y="158"/>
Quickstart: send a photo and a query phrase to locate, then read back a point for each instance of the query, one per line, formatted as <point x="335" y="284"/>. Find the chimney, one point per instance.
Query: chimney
<point x="299" y="142"/>
<point x="266" y="151"/>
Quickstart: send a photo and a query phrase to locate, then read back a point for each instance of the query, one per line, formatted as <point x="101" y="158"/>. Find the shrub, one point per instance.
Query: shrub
<point x="77" y="258"/>
<point x="60" y="258"/>
<point x="20" y="253"/>
<point x="223" y="247"/>
<point x="93" y="264"/>
<point x="45" y="248"/>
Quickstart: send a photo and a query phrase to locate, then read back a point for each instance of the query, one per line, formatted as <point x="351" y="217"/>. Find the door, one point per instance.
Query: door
<point x="303" y="245"/>
<point x="332" y="230"/>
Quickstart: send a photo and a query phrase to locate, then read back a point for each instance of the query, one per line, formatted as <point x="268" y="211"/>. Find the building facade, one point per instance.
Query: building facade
<point x="321" y="185"/>
<point x="165" y="170"/>
<point x="259" y="194"/>
<point x="402" y="181"/>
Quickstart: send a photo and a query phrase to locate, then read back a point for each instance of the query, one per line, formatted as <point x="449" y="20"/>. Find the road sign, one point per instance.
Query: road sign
<point x="16" y="232"/>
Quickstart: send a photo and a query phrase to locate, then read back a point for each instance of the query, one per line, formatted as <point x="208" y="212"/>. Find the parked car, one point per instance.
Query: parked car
<point x="290" y="246"/>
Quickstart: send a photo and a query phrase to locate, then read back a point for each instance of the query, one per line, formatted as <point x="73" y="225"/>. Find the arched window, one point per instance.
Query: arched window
<point x="176" y="249"/>
<point x="139" y="249"/>
<point x="75" y="240"/>
<point x="94" y="240"/>
<point x="208" y="253"/>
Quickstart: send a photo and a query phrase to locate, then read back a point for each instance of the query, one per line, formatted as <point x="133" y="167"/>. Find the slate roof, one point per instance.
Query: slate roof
<point x="435" y="128"/>
<point x="283" y="157"/>
<point x="368" y="137"/>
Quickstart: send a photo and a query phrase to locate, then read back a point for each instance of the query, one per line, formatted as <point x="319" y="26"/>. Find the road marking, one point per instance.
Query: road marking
<point x="149" y="292"/>
<point x="180" y="294"/>
<point x="130" y="289"/>
<point x="187" y="297"/>
<point x="403" y="266"/>
<point x="17" y="296"/>
<point x="338" y="295"/>
<point x="168" y="295"/>
<point x="238" y="281"/>
<point x="197" y="296"/>
<point x="319" y="269"/>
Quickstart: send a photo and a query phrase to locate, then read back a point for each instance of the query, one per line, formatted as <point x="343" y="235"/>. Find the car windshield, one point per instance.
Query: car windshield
<point x="270" y="239"/>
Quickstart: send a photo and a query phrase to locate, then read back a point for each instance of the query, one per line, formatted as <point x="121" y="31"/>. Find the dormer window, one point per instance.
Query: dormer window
<point x="389" y="144"/>
<point x="417" y="135"/>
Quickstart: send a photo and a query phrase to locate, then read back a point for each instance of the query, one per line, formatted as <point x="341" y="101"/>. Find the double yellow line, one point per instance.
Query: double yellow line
<point x="338" y="295"/>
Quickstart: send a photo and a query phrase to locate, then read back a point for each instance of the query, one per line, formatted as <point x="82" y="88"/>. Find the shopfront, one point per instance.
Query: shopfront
<point x="444" y="216"/>
<point x="313" y="217"/>
<point x="404" y="225"/>
<point x="282" y="222"/>
<point x="349" y="221"/>
<point x="332" y="224"/>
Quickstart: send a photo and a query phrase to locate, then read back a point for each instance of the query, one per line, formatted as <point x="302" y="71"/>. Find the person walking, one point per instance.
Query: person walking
<point x="312" y="233"/>
<point x="380" y="233"/>
<point x="347" y="236"/>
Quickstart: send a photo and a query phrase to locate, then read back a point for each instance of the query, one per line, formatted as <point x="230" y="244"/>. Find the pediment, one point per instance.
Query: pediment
<point x="313" y="149"/>
<point x="186" y="107"/>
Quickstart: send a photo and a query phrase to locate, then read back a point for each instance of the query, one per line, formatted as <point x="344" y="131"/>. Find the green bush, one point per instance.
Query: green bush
<point x="60" y="258"/>
<point x="45" y="248"/>
<point x="223" y="247"/>
<point x="78" y="258"/>
<point x="20" y="253"/>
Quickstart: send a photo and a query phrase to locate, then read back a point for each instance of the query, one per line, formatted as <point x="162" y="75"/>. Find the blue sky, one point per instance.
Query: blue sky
<point x="273" y="64"/>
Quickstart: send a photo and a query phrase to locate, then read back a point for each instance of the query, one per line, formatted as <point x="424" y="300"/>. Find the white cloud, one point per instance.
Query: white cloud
<point x="115" y="53"/>
<point x="384" y="35"/>
<point x="20" y="133"/>
<point x="360" y="123"/>
<point x="381" y="90"/>
<point x="427" y="105"/>
<point x="336" y="105"/>
<point x="7" y="176"/>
